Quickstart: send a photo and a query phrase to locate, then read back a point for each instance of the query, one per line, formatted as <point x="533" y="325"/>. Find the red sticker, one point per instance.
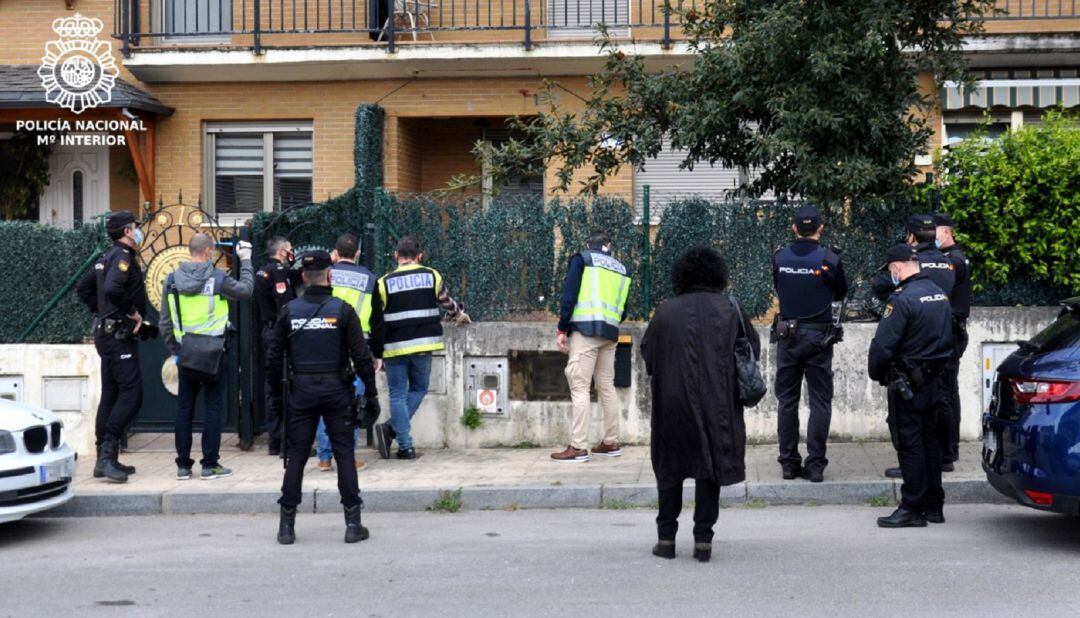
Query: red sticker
<point x="281" y="287"/>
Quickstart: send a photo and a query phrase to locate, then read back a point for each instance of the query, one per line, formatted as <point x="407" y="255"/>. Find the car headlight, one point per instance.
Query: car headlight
<point x="7" y="442"/>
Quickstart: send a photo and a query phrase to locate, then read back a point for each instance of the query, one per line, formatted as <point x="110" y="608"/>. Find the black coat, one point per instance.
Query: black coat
<point x="697" y="422"/>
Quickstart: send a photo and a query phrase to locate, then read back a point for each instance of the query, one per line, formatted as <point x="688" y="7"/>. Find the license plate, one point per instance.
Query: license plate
<point x="56" y="471"/>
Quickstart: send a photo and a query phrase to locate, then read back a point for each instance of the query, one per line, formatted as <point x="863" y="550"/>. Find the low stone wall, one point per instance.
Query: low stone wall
<point x="66" y="378"/>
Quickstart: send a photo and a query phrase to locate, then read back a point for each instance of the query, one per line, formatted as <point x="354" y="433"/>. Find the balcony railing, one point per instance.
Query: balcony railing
<point x="259" y="23"/>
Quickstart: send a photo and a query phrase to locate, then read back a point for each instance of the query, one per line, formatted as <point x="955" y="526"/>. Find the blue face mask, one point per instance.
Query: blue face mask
<point x="937" y="243"/>
<point x="895" y="279"/>
<point x="138" y="236"/>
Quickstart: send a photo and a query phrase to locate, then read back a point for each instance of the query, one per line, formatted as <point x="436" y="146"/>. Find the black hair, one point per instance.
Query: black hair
<point x="597" y="239"/>
<point x="700" y="267"/>
<point x="925" y="235"/>
<point x="347" y="246"/>
<point x="117" y="233"/>
<point x="408" y="247"/>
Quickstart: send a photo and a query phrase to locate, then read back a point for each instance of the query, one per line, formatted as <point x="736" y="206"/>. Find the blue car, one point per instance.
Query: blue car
<point x="1031" y="449"/>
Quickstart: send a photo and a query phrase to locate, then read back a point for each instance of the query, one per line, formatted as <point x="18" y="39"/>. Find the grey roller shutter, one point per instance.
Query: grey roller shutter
<point x="668" y="183"/>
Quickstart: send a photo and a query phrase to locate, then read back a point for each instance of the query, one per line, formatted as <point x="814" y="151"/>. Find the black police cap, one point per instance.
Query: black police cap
<point x="901" y="253"/>
<point x="315" y="260"/>
<point x="941" y="218"/>
<point x="921" y="223"/>
<point x="119" y="220"/>
<point x="807" y="219"/>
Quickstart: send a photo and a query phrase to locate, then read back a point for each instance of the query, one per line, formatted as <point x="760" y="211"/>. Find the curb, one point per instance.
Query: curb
<point x="757" y="494"/>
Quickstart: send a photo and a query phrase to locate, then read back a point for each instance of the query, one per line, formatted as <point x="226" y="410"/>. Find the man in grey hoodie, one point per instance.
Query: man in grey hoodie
<point x="197" y="294"/>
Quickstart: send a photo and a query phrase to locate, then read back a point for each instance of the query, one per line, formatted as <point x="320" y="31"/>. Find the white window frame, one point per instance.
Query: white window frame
<point x="211" y="129"/>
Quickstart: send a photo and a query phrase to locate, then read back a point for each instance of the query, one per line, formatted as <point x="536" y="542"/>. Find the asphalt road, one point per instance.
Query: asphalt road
<point x="987" y="560"/>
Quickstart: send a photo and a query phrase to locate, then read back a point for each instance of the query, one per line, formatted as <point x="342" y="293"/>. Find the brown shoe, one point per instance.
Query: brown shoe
<point x="325" y="466"/>
<point x="611" y="450"/>
<point x="571" y="455"/>
<point x="360" y="464"/>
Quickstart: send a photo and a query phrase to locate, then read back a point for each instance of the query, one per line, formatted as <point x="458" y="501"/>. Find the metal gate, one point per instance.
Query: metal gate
<point x="168" y="231"/>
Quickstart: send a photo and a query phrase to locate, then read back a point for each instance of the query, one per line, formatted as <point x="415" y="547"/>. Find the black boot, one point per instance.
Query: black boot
<point x="902" y="518"/>
<point x="106" y="463"/>
<point x="702" y="552"/>
<point x="99" y="472"/>
<point x="664" y="549"/>
<point x="286" y="532"/>
<point x="354" y="532"/>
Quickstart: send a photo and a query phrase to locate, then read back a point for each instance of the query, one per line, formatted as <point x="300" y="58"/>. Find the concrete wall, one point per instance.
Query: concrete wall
<point x="858" y="407"/>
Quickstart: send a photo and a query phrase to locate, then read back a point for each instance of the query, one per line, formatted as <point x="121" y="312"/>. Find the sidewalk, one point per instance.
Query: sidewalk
<point x="489" y="479"/>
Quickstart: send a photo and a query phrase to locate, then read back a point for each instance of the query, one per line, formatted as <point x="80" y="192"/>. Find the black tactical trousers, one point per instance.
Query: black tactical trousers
<point x="916" y="438"/>
<point x="798" y="356"/>
<point x="121" y="386"/>
<point x="949" y="410"/>
<point x="272" y="402"/>
<point x="310" y="398"/>
<point x="706" y="511"/>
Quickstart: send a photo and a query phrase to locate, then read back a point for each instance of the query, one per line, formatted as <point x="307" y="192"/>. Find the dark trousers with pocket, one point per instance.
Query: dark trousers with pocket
<point x="706" y="511"/>
<point x="949" y="409"/>
<point x="213" y="390"/>
<point x="917" y="442"/>
<point x="803" y="355"/>
<point x="121" y="386"/>
<point x="272" y="402"/>
<point x="311" y="398"/>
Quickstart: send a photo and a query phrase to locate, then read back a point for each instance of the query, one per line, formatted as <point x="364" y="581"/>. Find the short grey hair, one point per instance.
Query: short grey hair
<point x="201" y="243"/>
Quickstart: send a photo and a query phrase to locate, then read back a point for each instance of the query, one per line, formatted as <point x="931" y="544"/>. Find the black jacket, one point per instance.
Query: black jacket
<point x="123" y="289"/>
<point x="916" y="326"/>
<point x="697" y="421"/>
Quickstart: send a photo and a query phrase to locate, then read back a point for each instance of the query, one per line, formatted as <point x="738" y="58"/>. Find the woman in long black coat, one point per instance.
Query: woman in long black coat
<point x="697" y="421"/>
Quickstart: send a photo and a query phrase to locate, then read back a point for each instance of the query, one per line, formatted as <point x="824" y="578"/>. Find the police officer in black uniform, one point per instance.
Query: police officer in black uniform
<point x="320" y="339"/>
<point x="908" y="354"/>
<point x="808" y="278"/>
<point x="275" y="286"/>
<point x="115" y="292"/>
<point x="922" y="235"/>
<point x="949" y="432"/>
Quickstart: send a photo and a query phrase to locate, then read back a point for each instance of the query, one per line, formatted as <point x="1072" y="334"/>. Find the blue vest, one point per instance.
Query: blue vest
<point x="801" y="287"/>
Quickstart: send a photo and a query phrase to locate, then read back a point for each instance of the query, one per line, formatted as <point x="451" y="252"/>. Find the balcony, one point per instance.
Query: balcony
<point x="401" y="38"/>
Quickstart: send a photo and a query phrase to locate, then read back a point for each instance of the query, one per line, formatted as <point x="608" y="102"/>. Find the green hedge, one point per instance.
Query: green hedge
<point x="41" y="259"/>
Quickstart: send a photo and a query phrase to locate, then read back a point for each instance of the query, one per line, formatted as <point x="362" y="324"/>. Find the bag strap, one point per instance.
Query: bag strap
<point x="742" y="327"/>
<point x="176" y="302"/>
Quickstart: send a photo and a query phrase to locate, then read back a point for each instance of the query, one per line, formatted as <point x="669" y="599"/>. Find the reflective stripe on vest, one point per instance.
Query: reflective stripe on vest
<point x="604" y="291"/>
<point x="349" y="286"/>
<point x="205" y="313"/>
<point x="413" y="346"/>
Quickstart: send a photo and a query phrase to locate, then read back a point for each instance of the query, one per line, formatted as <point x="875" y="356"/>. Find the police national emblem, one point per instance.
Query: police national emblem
<point x="888" y="311"/>
<point x="78" y="71"/>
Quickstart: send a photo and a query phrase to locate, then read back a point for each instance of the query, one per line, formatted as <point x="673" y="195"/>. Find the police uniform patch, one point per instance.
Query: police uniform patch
<point x="281" y="287"/>
<point x="122" y="265"/>
<point x="888" y="311"/>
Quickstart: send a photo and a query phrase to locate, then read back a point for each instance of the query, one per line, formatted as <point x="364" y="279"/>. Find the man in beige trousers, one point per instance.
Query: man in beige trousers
<point x="593" y="306"/>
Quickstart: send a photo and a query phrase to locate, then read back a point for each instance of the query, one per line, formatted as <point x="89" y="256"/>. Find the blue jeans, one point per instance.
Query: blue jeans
<point x="407" y="377"/>
<point x="213" y="415"/>
<point x="326" y="452"/>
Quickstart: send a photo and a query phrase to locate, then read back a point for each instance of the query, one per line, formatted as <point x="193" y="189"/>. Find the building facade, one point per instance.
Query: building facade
<point x="248" y="105"/>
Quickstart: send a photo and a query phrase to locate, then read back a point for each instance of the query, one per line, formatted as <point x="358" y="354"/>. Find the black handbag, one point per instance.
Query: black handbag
<point x="199" y="354"/>
<point x="751" y="383"/>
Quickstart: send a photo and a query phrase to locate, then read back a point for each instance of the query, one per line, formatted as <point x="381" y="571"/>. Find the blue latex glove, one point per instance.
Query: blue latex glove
<point x="358" y="385"/>
<point x="176" y="359"/>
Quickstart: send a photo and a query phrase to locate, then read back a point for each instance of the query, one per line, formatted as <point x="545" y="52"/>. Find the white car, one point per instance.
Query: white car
<point x="36" y="463"/>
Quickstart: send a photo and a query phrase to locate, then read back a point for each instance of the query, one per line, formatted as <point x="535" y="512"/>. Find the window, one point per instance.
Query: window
<point x="257" y="167"/>
<point x="523" y="185"/>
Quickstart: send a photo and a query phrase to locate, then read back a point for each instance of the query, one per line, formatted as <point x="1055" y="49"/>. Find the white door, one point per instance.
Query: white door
<point x="78" y="187"/>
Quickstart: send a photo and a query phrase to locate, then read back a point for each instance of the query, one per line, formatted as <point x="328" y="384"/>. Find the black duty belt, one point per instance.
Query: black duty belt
<point x="818" y="326"/>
